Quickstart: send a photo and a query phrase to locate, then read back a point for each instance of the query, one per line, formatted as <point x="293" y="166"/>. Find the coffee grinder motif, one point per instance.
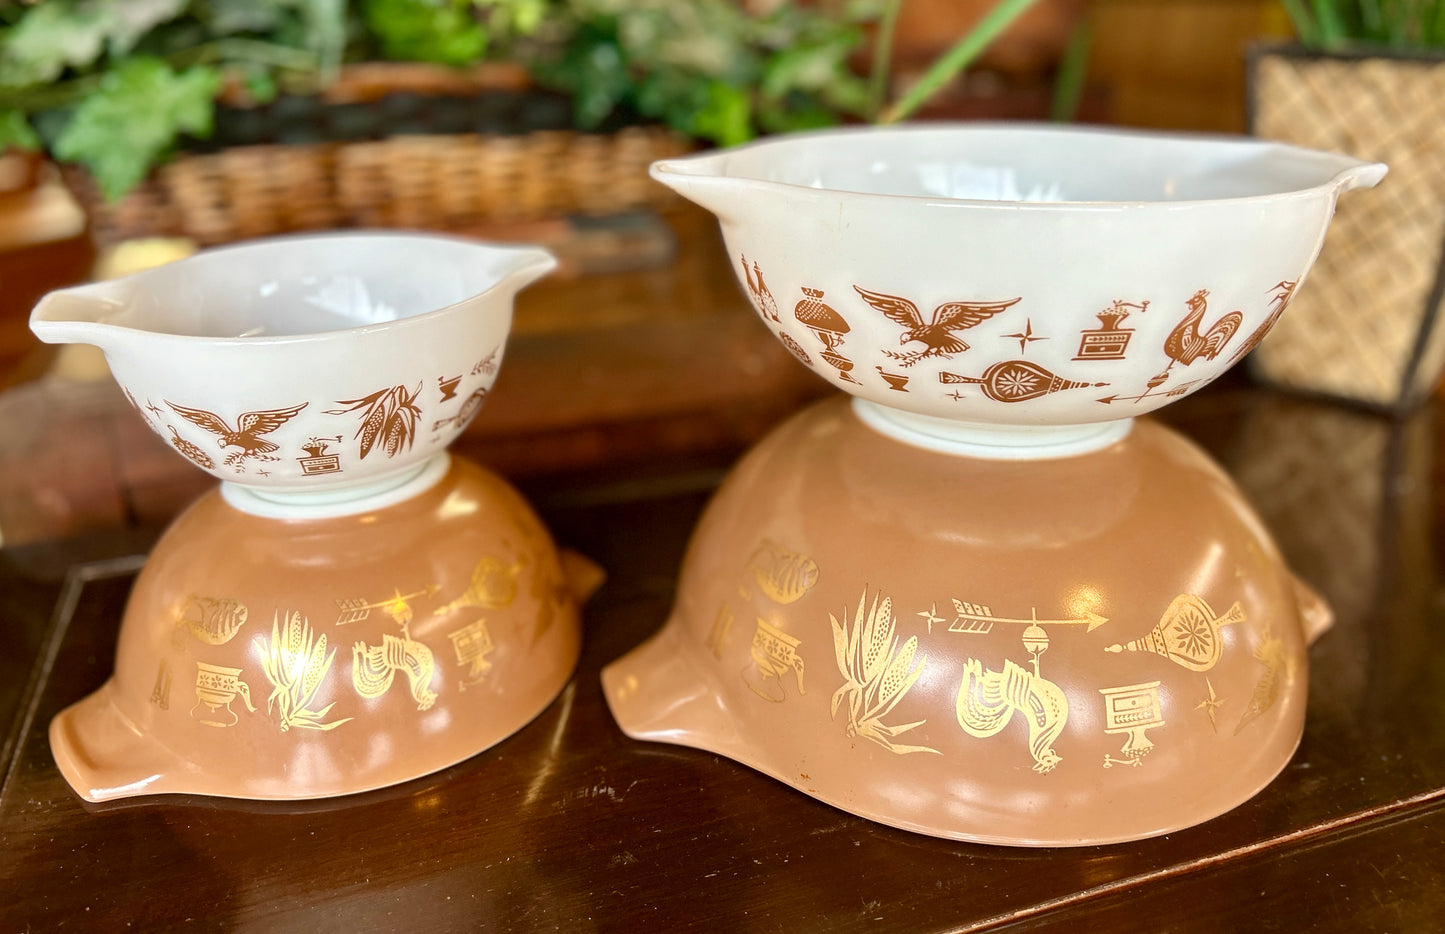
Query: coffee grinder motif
<point x="317" y="461"/>
<point x="774" y="654"/>
<point x="472" y="643"/>
<point x="1133" y="709"/>
<point x="217" y="687"/>
<point x="1109" y="341"/>
<point x="829" y="327"/>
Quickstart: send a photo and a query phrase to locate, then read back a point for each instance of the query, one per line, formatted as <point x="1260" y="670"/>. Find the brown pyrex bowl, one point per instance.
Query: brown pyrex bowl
<point x="1051" y="652"/>
<point x="303" y="658"/>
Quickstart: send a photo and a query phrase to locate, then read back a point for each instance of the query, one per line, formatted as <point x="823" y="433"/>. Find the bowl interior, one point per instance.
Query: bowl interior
<point x="1032" y="164"/>
<point x="311" y="285"/>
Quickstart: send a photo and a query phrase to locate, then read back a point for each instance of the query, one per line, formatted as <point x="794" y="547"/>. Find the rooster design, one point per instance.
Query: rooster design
<point x="247" y="434"/>
<point x="937" y="337"/>
<point x="987" y="701"/>
<point x="1186" y="343"/>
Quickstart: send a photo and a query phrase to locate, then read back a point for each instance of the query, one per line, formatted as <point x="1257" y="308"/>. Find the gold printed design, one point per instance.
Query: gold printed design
<point x="722" y="625"/>
<point x="1109" y="341"/>
<point x="783" y="576"/>
<point x="988" y="699"/>
<point x="758" y="291"/>
<point x="1026" y="336"/>
<point x="975" y="618"/>
<point x="1188" y="633"/>
<point x="161" y="692"/>
<point x="472" y="643"/>
<point x="217" y="687"/>
<point x="1280" y="297"/>
<point x="317" y="461"/>
<point x="373" y="667"/>
<point x="1015" y="381"/>
<point x="213" y="620"/>
<point x="295" y="662"/>
<point x="937" y="336"/>
<point x="1210" y="704"/>
<point x="774" y="654"/>
<point x="247" y="434"/>
<point x="1133" y="709"/>
<point x="493" y="586"/>
<point x="389" y="418"/>
<point x="1278" y="670"/>
<point x="877" y="673"/>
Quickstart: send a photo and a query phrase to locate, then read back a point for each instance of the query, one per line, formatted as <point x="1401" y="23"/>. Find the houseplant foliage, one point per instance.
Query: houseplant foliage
<point x="116" y="85"/>
<point x="1399" y="24"/>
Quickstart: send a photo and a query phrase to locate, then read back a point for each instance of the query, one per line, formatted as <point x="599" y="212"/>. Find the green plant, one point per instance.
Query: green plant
<point x="1325" y="24"/>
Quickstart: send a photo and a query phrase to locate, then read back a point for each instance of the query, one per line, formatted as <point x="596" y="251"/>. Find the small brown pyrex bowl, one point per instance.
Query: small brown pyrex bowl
<point x="302" y="658"/>
<point x="1045" y="652"/>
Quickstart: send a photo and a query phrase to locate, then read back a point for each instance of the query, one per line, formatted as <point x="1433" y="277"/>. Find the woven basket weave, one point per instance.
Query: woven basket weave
<point x="446" y="182"/>
<point x="1363" y="326"/>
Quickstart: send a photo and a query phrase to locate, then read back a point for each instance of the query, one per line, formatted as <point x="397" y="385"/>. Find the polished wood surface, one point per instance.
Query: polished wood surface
<point x="568" y="825"/>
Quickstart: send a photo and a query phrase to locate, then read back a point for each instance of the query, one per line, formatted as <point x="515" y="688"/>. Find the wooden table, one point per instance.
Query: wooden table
<point x="568" y="825"/>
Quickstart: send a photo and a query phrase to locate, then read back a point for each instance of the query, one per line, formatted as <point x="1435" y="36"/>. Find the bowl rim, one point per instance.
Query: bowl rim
<point x="1348" y="172"/>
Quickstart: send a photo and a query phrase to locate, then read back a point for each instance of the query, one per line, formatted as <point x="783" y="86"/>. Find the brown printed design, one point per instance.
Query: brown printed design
<point x="448" y="387"/>
<point x="1026" y="336"/>
<point x="795" y="348"/>
<point x="1133" y="709"/>
<point x="758" y="291"/>
<point x="1014" y="381"/>
<point x="829" y="327"/>
<point x="896" y="381"/>
<point x="1109" y="341"/>
<point x="318" y="460"/>
<point x="487" y="364"/>
<point x="937" y="336"/>
<point x="246" y="436"/>
<point x="1280" y="297"/>
<point x="877" y="673"/>
<point x="193" y="453"/>
<point x="1187" y="343"/>
<point x="389" y="417"/>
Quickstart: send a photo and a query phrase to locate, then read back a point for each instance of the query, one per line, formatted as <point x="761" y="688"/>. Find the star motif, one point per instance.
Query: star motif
<point x="931" y="614"/>
<point x="1209" y="704"/>
<point x="264" y="472"/>
<point x="154" y="409"/>
<point x="956" y="395"/>
<point x="1026" y="336"/>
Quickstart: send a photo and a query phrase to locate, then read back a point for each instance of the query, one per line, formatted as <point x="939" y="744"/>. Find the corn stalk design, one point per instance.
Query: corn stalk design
<point x="295" y="662"/>
<point x="877" y="673"/>
<point x="390" y="419"/>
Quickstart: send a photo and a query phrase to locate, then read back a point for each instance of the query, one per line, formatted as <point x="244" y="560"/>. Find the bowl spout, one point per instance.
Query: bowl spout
<point x="77" y="315"/>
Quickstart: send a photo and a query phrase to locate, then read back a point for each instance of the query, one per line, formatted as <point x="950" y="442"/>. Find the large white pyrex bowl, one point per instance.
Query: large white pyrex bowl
<point x="990" y="288"/>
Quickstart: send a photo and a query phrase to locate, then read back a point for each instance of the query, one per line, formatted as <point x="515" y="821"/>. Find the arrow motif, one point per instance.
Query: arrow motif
<point x="358" y="609"/>
<point x="1149" y="393"/>
<point x="975" y="618"/>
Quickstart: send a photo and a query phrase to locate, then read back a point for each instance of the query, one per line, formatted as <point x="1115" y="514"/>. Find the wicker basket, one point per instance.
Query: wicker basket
<point x="1364" y="326"/>
<point x="274" y="175"/>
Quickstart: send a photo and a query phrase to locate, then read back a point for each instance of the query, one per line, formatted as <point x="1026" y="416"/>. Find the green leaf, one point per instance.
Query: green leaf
<point x="135" y="117"/>
<point x="440" y="31"/>
<point x="725" y="117"/>
<point x="16" y="131"/>
<point x="51" y="37"/>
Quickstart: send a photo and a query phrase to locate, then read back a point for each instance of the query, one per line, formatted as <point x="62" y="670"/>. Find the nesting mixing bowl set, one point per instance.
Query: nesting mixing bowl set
<point x="976" y="600"/>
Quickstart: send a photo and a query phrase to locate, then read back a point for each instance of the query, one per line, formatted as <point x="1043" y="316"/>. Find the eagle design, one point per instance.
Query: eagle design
<point x="247" y="433"/>
<point x="937" y="337"/>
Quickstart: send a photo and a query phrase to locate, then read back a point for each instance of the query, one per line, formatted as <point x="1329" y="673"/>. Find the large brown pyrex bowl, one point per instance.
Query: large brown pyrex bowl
<point x="302" y="658"/>
<point x="1051" y="652"/>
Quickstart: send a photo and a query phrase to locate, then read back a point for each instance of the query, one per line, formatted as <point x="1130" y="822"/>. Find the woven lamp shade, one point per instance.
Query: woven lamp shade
<point x="1363" y="326"/>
